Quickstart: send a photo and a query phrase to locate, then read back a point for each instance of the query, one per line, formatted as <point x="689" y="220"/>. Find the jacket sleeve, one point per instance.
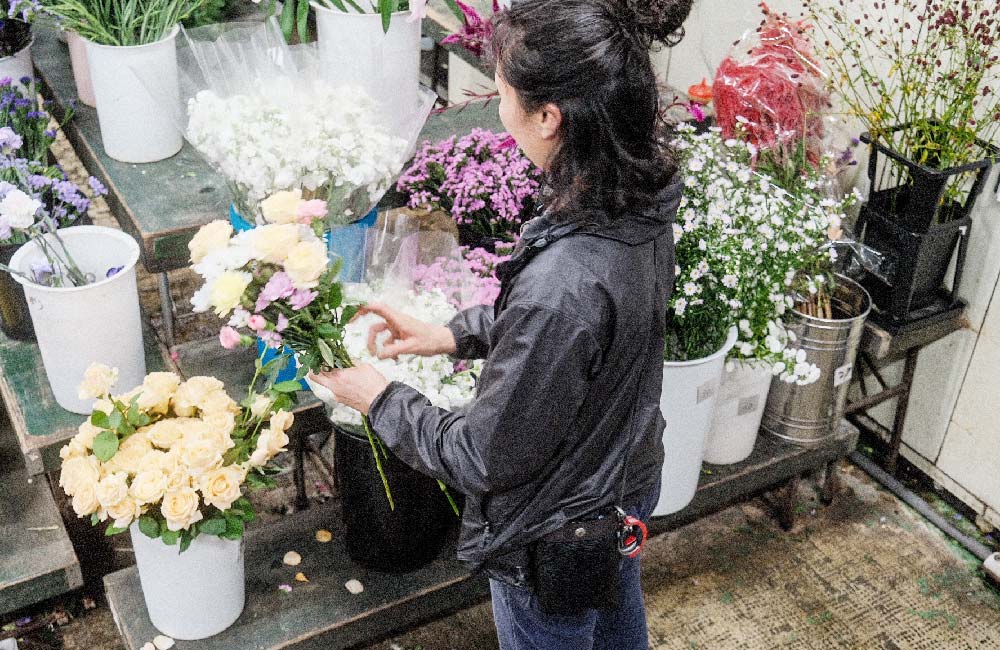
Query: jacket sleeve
<point x="471" y="329"/>
<point x="529" y="394"/>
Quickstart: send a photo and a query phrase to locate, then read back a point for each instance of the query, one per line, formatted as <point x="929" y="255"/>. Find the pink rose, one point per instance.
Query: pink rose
<point x="309" y="210"/>
<point x="256" y="322"/>
<point x="229" y="337"/>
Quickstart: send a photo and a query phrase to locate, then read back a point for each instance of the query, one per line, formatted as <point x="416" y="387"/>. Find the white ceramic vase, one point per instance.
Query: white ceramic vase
<point x="195" y="594"/>
<point x="137" y="91"/>
<point x="95" y="323"/>
<point x="736" y="422"/>
<point x="690" y="392"/>
<point x="81" y="68"/>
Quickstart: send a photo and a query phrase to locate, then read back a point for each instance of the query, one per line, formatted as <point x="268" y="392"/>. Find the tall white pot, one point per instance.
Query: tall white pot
<point x="736" y="422"/>
<point x="194" y="594"/>
<point x="81" y="68"/>
<point x="357" y="52"/>
<point x="18" y="66"/>
<point x="137" y="91"/>
<point x="690" y="392"/>
<point x="98" y="322"/>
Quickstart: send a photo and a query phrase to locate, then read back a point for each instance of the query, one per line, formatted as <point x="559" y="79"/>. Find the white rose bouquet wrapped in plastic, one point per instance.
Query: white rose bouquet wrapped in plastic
<point x="172" y="455"/>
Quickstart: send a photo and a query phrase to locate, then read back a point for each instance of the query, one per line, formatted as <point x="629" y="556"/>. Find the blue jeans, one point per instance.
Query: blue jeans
<point x="522" y="625"/>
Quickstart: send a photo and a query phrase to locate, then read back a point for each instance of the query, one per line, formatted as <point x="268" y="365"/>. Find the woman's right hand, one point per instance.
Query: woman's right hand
<point x="407" y="335"/>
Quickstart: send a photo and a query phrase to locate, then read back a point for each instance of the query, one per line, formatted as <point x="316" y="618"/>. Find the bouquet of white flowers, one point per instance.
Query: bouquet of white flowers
<point x="173" y="455"/>
<point x="261" y="112"/>
<point x="741" y="242"/>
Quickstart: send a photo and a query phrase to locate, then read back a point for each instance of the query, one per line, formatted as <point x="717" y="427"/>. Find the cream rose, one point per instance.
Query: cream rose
<point x="305" y="262"/>
<point x="218" y="402"/>
<point x="180" y="509"/>
<point x="275" y="242"/>
<point x="104" y="405"/>
<point x="148" y="486"/>
<point x="221" y="487"/>
<point x="156" y="391"/>
<point x="211" y="237"/>
<point x="176" y="473"/>
<point x="85" y="501"/>
<point x="282" y="420"/>
<point x="130" y="454"/>
<point x="260" y="406"/>
<point x="79" y="472"/>
<point x="112" y="489"/>
<point x="282" y="207"/>
<point x="269" y="444"/>
<point x="219" y="427"/>
<point x="73" y="449"/>
<point x="124" y="512"/>
<point x="165" y="433"/>
<point x="97" y="382"/>
<point x="227" y="291"/>
<point x="191" y="393"/>
<point x="200" y="456"/>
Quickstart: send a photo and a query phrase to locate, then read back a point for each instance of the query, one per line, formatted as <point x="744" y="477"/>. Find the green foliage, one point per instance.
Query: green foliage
<point x="122" y="22"/>
<point x="105" y="446"/>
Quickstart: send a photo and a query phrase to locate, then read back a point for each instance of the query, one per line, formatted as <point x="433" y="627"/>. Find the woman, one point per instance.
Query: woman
<point x="566" y="420"/>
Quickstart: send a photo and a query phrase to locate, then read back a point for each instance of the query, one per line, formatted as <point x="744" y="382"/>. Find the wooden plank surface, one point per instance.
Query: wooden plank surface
<point x="323" y="615"/>
<point x="162" y="204"/>
<point x="41" y="425"/>
<point x="882" y="344"/>
<point x="36" y="557"/>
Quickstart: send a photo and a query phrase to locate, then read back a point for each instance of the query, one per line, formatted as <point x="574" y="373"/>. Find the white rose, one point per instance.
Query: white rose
<point x="124" y="512"/>
<point x="282" y="420"/>
<point x="306" y="261"/>
<point x="148" y="486"/>
<point x="86" y="434"/>
<point x="18" y="210"/>
<point x="217" y="402"/>
<point x="260" y="406"/>
<point x="260" y="457"/>
<point x="165" y="433"/>
<point x="221" y="487"/>
<point x="85" y="501"/>
<point x="74" y="448"/>
<point x="112" y="489"/>
<point x="97" y="382"/>
<point x="282" y="207"/>
<point x="190" y="394"/>
<point x="180" y="509"/>
<point x="274" y="242"/>
<point x="176" y="473"/>
<point x="79" y="472"/>
<point x="211" y="237"/>
<point x="130" y="454"/>
<point x="219" y="428"/>
<point x="157" y="389"/>
<point x="200" y="456"/>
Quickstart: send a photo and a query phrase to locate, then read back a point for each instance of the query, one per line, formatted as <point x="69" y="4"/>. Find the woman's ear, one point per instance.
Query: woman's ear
<point x="549" y="119"/>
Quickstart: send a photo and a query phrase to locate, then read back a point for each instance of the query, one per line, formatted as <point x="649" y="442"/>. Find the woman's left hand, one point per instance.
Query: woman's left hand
<point x="354" y="387"/>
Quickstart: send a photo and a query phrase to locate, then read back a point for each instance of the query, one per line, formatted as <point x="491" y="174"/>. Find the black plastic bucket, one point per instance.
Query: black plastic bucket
<point x="378" y="538"/>
<point x="15" y="319"/>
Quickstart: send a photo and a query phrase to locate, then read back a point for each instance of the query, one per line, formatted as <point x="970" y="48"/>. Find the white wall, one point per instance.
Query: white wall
<point x="953" y="426"/>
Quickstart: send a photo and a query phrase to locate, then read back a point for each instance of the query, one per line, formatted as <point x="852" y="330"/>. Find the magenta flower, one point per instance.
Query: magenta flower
<point x="476" y="31"/>
<point x="271" y="339"/>
<point x="229" y="337"/>
<point x="302" y="298"/>
<point x="256" y="322"/>
<point x="279" y="286"/>
<point x="282" y="323"/>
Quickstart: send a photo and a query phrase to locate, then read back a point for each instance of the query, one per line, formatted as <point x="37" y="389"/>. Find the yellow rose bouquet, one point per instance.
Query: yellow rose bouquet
<point x="172" y="456"/>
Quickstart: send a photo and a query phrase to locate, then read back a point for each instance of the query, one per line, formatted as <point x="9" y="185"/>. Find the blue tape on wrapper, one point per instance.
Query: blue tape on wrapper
<point x="346" y="242"/>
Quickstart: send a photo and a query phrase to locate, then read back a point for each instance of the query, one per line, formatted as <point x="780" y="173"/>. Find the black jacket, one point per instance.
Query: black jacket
<point x="571" y="385"/>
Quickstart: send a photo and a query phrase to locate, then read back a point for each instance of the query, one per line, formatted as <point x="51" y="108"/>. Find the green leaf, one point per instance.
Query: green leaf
<point x="149" y="526"/>
<point x="106" y="445"/>
<point x="115" y="419"/>
<point x="186" y="542"/>
<point x="100" y="419"/>
<point x="336" y="290"/>
<point x="455" y="9"/>
<point x="302" y="12"/>
<point x="136" y="417"/>
<point x="349" y="312"/>
<point x="95" y="519"/>
<point x="214" y="526"/>
<point x="170" y="537"/>
<point x="111" y="530"/>
<point x="386" y="7"/>
<point x="234" y="527"/>
<point x="326" y="330"/>
<point x="288" y="386"/>
<point x="287" y="21"/>
<point x="339" y="4"/>
<point x="326" y="353"/>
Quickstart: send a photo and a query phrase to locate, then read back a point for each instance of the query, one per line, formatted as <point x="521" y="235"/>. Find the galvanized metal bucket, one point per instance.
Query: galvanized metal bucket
<point x="808" y="415"/>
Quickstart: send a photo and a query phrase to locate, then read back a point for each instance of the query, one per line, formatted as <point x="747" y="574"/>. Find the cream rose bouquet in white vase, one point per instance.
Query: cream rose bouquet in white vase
<point x="169" y="461"/>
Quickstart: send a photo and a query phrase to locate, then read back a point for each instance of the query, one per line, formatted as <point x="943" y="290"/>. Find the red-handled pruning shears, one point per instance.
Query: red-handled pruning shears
<point x="632" y="534"/>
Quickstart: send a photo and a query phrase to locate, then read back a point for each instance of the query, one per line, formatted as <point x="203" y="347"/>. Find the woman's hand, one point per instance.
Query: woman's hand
<point x="407" y="335"/>
<point x="354" y="387"/>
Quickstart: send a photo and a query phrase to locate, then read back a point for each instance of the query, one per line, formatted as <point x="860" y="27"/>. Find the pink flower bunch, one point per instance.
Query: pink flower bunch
<point x="467" y="281"/>
<point x="476" y="30"/>
<point x="486" y="185"/>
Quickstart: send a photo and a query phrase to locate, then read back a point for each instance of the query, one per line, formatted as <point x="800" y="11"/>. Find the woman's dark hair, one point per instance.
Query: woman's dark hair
<point x="591" y="59"/>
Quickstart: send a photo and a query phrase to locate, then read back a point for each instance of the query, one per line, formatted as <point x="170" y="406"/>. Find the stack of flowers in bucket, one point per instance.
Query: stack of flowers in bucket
<point x="168" y="461"/>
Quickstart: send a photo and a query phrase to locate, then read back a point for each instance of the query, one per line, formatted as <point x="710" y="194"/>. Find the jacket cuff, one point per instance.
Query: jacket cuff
<point x="465" y="343"/>
<point x="381" y="408"/>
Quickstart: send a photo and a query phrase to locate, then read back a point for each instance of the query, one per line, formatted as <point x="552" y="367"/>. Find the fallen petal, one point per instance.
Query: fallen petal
<point x="301" y="577"/>
<point x="323" y="536"/>
<point x="163" y="642"/>
<point x="148" y="646"/>
<point x="292" y="558"/>
<point x="285" y="588"/>
<point x="354" y="586"/>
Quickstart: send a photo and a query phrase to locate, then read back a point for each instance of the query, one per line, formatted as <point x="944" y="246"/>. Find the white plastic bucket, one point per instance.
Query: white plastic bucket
<point x="18" y="66"/>
<point x="81" y="69"/>
<point x="138" y="99"/>
<point x="736" y="423"/>
<point x="357" y="52"/>
<point x="98" y="322"/>
<point x="194" y="594"/>
<point x="690" y="392"/>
